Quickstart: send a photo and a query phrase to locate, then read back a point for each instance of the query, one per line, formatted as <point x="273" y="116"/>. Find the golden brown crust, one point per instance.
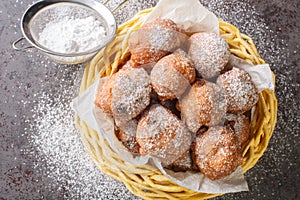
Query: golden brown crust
<point x="241" y="93"/>
<point x="203" y="105"/>
<point x="171" y="75"/>
<point x="162" y="135"/>
<point x="154" y="40"/>
<point x="104" y="95"/>
<point x="183" y="64"/>
<point x="217" y="152"/>
<point x="144" y="56"/>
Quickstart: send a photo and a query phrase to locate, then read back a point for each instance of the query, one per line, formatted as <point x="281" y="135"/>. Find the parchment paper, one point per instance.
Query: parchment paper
<point x="193" y="17"/>
<point x="261" y="74"/>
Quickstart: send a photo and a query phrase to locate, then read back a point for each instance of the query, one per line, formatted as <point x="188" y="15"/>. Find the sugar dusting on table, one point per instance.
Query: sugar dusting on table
<point x="58" y="145"/>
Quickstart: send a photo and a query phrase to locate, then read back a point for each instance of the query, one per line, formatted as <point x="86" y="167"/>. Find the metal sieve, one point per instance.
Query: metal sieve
<point x="40" y="13"/>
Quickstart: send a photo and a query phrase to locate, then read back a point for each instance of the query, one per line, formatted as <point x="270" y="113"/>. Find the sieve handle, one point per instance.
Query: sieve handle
<point x="20" y="47"/>
<point x="117" y="7"/>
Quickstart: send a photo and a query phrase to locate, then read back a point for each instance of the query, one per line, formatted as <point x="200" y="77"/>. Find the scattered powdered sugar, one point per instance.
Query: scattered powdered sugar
<point x="72" y="35"/>
<point x="131" y="8"/>
<point x="59" y="147"/>
<point x="272" y="43"/>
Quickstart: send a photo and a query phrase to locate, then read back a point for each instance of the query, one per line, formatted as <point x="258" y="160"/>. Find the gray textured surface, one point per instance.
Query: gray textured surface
<point x="41" y="155"/>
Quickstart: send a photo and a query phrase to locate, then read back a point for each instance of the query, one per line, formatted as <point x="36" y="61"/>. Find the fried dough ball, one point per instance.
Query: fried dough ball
<point x="127" y="135"/>
<point x="131" y="93"/>
<point x="240" y="91"/>
<point x="162" y="135"/>
<point x="103" y="99"/>
<point x="172" y="74"/>
<point x="209" y="52"/>
<point x="203" y="105"/>
<point x="241" y="126"/>
<point x="154" y="40"/>
<point x="217" y="152"/>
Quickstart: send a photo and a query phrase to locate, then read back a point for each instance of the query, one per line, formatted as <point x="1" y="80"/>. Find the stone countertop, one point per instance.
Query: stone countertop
<point x="41" y="155"/>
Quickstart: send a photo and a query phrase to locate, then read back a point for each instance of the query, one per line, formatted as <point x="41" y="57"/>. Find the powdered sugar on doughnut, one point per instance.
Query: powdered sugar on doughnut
<point x="162" y="135"/>
<point x="154" y="40"/>
<point x="131" y="93"/>
<point x="172" y="75"/>
<point x="241" y="93"/>
<point x="209" y="52"/>
<point x="204" y="104"/>
<point x="217" y="153"/>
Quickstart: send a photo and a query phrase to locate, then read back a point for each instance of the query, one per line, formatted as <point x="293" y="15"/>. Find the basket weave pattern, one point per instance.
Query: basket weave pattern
<point x="146" y="181"/>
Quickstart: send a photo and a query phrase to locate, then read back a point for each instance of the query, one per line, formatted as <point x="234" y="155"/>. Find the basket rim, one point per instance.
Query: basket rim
<point x="267" y="99"/>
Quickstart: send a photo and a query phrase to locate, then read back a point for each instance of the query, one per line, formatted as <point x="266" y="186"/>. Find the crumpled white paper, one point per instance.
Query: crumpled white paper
<point x="191" y="15"/>
<point x="194" y="18"/>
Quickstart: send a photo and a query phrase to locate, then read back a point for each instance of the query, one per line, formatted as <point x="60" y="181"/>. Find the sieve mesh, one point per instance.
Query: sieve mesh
<point x="58" y="12"/>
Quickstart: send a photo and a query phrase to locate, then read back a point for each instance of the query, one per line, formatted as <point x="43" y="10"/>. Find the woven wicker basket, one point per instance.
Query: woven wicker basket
<point x="146" y="181"/>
